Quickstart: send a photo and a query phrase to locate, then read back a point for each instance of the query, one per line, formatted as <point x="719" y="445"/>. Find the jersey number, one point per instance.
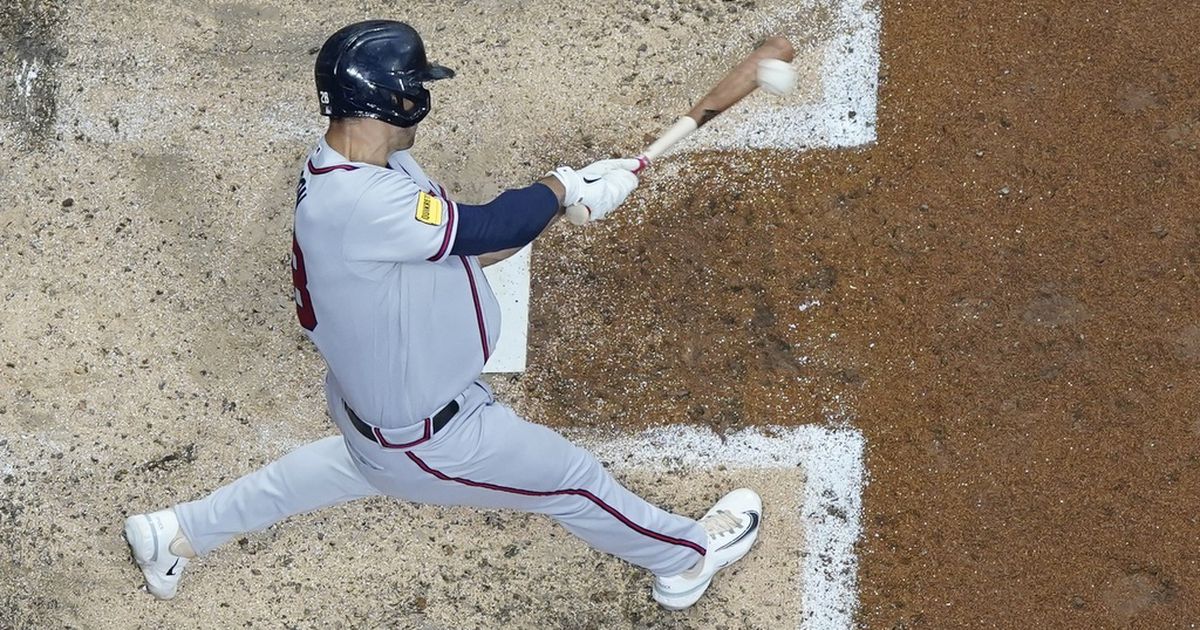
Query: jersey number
<point x="304" y="307"/>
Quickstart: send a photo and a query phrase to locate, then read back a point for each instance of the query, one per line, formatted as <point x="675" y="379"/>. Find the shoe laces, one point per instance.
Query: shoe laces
<point x="720" y="523"/>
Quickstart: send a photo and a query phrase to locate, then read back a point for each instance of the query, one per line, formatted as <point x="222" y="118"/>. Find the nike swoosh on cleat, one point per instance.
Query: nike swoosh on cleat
<point x="171" y="571"/>
<point x="753" y="526"/>
<point x="666" y="593"/>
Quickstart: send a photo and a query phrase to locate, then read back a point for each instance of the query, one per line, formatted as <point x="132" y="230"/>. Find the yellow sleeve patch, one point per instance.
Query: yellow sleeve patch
<point x="429" y="209"/>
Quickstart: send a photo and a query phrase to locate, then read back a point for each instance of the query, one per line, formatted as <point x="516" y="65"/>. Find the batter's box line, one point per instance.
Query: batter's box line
<point x="831" y="508"/>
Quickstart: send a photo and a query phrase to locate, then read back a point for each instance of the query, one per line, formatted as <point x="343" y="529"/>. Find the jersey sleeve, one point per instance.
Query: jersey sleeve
<point x="395" y="221"/>
<point x="403" y="161"/>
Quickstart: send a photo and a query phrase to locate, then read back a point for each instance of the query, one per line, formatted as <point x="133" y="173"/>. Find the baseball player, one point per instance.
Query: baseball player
<point x="389" y="286"/>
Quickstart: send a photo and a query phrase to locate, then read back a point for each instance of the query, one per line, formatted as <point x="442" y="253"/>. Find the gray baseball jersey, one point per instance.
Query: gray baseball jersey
<point x="403" y="326"/>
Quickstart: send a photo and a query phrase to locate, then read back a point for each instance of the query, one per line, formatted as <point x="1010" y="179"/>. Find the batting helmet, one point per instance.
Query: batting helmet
<point x="376" y="69"/>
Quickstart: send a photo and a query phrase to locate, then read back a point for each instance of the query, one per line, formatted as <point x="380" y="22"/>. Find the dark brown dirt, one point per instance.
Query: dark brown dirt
<point x="1008" y="308"/>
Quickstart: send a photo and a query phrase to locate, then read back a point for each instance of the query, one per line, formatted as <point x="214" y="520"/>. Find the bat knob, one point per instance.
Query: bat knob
<point x="643" y="162"/>
<point x="578" y="214"/>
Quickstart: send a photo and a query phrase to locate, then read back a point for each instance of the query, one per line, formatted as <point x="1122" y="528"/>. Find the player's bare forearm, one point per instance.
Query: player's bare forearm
<point x="555" y="186"/>
<point x="487" y="260"/>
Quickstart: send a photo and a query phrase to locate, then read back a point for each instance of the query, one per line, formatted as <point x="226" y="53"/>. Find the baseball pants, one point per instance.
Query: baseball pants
<point x="486" y="456"/>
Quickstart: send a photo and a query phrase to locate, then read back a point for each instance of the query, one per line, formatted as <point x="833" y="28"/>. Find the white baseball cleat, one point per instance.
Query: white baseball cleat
<point x="149" y="537"/>
<point x="732" y="526"/>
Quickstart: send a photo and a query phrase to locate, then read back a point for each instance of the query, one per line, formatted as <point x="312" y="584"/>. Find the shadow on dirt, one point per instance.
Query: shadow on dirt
<point x="31" y="49"/>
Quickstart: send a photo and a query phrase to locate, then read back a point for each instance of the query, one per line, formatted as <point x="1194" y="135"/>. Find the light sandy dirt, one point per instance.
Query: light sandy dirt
<point x="148" y="344"/>
<point x="380" y="563"/>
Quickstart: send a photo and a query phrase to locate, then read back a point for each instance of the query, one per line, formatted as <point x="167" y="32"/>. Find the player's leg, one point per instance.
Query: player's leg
<point x="490" y="457"/>
<point x="579" y="493"/>
<point x="497" y="459"/>
<point x="313" y="476"/>
<point x="316" y="475"/>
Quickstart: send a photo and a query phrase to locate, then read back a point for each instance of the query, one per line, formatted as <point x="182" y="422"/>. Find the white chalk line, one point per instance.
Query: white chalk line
<point x="25" y="77"/>
<point x="831" y="508"/>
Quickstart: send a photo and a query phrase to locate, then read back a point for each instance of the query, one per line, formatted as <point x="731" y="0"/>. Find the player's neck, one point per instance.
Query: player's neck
<point x="357" y="147"/>
<point x="368" y="140"/>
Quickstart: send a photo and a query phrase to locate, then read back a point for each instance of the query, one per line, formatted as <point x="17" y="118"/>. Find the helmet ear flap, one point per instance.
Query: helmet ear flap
<point x="410" y="106"/>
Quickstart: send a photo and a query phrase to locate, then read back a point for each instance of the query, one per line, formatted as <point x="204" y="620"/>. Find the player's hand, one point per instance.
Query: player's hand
<point x="600" y="186"/>
<point x="603" y="167"/>
<point x="606" y="184"/>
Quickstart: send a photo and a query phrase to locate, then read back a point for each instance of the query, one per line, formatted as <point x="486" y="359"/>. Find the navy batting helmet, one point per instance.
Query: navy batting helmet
<point x="376" y="69"/>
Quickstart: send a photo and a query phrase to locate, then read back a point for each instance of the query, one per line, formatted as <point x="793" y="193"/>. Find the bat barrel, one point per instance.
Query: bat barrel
<point x="740" y="81"/>
<point x="776" y="47"/>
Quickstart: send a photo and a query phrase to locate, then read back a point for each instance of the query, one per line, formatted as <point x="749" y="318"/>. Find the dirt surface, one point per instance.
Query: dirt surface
<point x="148" y="346"/>
<point x="1008" y="308"/>
<point x="1002" y="294"/>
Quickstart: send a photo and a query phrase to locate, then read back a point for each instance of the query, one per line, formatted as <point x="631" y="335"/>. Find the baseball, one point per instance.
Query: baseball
<point x="776" y="76"/>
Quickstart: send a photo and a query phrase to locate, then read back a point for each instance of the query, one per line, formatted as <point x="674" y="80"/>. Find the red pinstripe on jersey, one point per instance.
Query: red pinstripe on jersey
<point x="483" y="338"/>
<point x="421" y="440"/>
<point x="671" y="540"/>
<point x="450" y="209"/>
<point x="321" y="170"/>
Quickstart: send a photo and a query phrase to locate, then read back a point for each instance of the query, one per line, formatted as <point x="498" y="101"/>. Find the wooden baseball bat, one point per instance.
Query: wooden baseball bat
<point x="733" y="87"/>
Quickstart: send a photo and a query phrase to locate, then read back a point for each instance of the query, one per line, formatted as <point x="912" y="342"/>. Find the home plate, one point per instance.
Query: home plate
<point x="509" y="280"/>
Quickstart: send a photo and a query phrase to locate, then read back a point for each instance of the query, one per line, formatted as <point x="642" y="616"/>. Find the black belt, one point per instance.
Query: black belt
<point x="432" y="425"/>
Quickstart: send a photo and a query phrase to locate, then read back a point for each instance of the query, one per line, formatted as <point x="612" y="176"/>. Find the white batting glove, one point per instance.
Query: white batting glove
<point x="600" y="186"/>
